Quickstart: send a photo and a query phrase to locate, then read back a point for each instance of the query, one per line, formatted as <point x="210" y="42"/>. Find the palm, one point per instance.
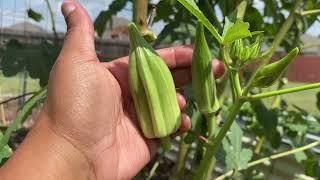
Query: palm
<point x="122" y="140"/>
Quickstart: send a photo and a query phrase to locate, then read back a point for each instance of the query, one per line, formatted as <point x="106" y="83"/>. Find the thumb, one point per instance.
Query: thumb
<point x="79" y="40"/>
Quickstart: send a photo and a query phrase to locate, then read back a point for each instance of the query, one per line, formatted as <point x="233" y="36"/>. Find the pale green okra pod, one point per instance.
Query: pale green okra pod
<point x="152" y="88"/>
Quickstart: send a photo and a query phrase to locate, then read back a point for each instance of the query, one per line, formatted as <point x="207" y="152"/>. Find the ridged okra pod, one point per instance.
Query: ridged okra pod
<point x="268" y="74"/>
<point x="152" y="88"/>
<point x="203" y="81"/>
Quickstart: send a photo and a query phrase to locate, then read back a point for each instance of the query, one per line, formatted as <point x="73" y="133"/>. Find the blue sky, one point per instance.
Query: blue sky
<point x="13" y="11"/>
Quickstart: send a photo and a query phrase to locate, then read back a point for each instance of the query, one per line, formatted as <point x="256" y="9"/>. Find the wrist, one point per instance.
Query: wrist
<point x="46" y="155"/>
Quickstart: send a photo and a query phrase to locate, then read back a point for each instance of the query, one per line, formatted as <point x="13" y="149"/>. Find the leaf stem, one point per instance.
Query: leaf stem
<point x="283" y="91"/>
<point x="193" y="8"/>
<point x="310" y="12"/>
<point x="275" y="156"/>
<point x="182" y="158"/>
<point x="153" y="169"/>
<point x="53" y="24"/>
<point x="213" y="16"/>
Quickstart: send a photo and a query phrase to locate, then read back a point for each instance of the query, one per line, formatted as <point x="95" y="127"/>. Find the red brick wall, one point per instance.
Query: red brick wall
<point x="305" y="69"/>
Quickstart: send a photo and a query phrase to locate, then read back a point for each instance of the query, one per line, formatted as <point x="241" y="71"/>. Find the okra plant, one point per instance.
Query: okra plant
<point x="214" y="125"/>
<point x="236" y="53"/>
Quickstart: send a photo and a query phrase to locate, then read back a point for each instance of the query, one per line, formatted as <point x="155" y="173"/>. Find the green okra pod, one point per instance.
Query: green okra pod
<point x="152" y="88"/>
<point x="268" y="74"/>
<point x="203" y="81"/>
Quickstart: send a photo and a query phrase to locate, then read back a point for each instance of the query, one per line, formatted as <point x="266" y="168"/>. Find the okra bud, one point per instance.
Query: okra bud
<point x="203" y="81"/>
<point x="152" y="88"/>
<point x="245" y="54"/>
<point x="268" y="74"/>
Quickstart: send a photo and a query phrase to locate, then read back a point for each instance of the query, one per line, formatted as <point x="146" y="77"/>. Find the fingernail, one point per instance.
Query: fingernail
<point x="67" y="7"/>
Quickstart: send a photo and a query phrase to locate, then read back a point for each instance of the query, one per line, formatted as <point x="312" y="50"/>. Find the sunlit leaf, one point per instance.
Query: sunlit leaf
<point x="194" y="9"/>
<point x="234" y="31"/>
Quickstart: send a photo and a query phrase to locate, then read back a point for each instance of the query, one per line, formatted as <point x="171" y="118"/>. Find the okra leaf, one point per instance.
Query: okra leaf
<point x="106" y="15"/>
<point x="236" y="156"/>
<point x="34" y="15"/>
<point x="312" y="167"/>
<point x="194" y="9"/>
<point x="234" y="31"/>
<point x="300" y="156"/>
<point x="5" y="152"/>
<point x="268" y="119"/>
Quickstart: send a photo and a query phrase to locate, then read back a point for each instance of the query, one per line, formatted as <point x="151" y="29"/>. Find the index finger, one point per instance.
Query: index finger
<point x="177" y="57"/>
<point x="174" y="57"/>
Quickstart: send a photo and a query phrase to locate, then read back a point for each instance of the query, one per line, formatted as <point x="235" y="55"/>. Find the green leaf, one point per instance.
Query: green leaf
<point x="194" y="9"/>
<point x="236" y="156"/>
<point x="105" y="16"/>
<point x="254" y="18"/>
<point x="5" y="152"/>
<point x="235" y="31"/>
<point x="300" y="156"/>
<point x="268" y="119"/>
<point x="34" y="15"/>
<point x="312" y="167"/>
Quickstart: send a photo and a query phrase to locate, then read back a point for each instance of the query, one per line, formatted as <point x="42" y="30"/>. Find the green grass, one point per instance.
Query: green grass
<point x="304" y="99"/>
<point x="13" y="85"/>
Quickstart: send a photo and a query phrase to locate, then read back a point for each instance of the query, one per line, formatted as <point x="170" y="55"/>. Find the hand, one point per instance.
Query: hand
<point x="89" y="104"/>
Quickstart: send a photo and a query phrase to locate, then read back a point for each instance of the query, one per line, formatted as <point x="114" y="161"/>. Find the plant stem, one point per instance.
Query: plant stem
<point x="213" y="16"/>
<point x="235" y="81"/>
<point x="207" y="164"/>
<point x="259" y="145"/>
<point x="153" y="169"/>
<point x="283" y="30"/>
<point x="283" y="91"/>
<point x="17" y="97"/>
<point x="225" y="57"/>
<point x="223" y="131"/>
<point x="233" y="74"/>
<point x="211" y="122"/>
<point x="22" y="115"/>
<point x="140" y="18"/>
<point x="3" y="116"/>
<point x="182" y="158"/>
<point x="140" y="13"/>
<point x="310" y="12"/>
<point x="166" y="143"/>
<point x="275" y="156"/>
<point x="53" y="24"/>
